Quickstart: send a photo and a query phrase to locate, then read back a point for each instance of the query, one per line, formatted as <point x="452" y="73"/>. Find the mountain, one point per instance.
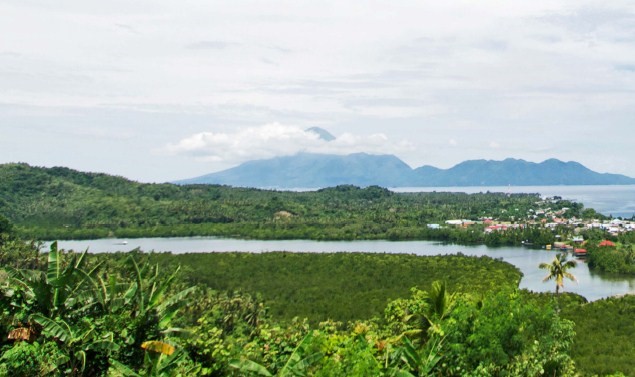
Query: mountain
<point x="308" y="170"/>
<point x="322" y="133"/>
<point x="516" y="172"/>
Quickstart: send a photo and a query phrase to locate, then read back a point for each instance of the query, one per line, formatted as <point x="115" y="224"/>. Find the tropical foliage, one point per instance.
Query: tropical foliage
<point x="127" y="315"/>
<point x="54" y="203"/>
<point x="338" y="286"/>
<point x="283" y="314"/>
<point x="83" y="316"/>
<point x="559" y="270"/>
<point x="618" y="259"/>
<point x="605" y="330"/>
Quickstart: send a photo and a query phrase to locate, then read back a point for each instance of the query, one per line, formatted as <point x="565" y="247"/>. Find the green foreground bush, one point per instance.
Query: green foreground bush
<point x="137" y="314"/>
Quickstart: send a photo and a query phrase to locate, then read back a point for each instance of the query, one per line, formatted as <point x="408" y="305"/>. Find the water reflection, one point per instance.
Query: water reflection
<point x="591" y="285"/>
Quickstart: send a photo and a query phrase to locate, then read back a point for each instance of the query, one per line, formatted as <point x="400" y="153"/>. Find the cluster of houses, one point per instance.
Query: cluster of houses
<point x="576" y="245"/>
<point x="547" y="218"/>
<point x="553" y="219"/>
<point x="614" y="226"/>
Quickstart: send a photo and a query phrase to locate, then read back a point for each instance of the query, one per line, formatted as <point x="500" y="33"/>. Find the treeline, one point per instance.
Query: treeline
<point x="605" y="330"/>
<point x="337" y="286"/>
<point x="76" y="316"/>
<point x="60" y="203"/>
<point x="138" y="314"/>
<point x="124" y="315"/>
<point x="618" y="260"/>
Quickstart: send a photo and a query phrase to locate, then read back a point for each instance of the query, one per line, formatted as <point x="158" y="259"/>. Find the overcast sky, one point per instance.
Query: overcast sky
<point x="161" y="90"/>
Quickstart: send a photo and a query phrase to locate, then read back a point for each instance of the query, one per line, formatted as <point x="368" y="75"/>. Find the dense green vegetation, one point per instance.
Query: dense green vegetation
<point x="73" y="316"/>
<point x="605" y="330"/>
<point x="338" y="286"/>
<point x="619" y="259"/>
<point x="138" y="314"/>
<point x="60" y="203"/>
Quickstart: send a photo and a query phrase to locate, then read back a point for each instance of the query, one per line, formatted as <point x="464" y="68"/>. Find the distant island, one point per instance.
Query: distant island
<point x="311" y="170"/>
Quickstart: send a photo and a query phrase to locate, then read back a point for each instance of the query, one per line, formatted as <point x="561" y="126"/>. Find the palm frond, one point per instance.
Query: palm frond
<point x="57" y="329"/>
<point x="139" y="282"/>
<point x="157" y="294"/>
<point x="299" y="361"/>
<point x="570" y="276"/>
<point x="246" y="366"/>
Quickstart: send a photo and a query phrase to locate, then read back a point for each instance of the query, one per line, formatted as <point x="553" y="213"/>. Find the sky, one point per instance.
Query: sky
<point x="161" y="90"/>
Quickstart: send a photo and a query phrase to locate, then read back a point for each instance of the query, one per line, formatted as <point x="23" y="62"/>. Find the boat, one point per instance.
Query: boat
<point x="579" y="252"/>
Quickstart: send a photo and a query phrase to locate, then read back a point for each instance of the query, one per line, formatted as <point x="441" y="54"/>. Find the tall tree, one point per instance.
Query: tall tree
<point x="558" y="270"/>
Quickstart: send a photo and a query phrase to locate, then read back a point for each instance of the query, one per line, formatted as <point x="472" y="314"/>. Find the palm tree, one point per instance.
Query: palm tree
<point x="558" y="270"/>
<point x="431" y="309"/>
<point x="439" y="303"/>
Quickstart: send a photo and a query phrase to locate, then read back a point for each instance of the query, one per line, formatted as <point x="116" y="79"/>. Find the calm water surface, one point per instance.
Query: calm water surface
<point x="616" y="200"/>
<point x="590" y="285"/>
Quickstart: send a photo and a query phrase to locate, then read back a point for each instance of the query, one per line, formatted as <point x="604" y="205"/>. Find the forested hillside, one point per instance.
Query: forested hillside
<point x="124" y="315"/>
<point x="60" y="203"/>
<point x="138" y="314"/>
<point x="337" y="286"/>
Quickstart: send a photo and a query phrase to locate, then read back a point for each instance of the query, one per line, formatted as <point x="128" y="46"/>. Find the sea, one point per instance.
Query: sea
<point x="613" y="200"/>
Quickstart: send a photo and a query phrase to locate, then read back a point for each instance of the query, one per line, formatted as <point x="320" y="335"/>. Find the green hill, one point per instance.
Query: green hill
<point x="61" y="203"/>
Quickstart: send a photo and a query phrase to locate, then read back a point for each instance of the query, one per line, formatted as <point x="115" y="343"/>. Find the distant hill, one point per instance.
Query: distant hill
<point x="306" y="170"/>
<point x="517" y="173"/>
<point x="62" y="203"/>
<point x="322" y="133"/>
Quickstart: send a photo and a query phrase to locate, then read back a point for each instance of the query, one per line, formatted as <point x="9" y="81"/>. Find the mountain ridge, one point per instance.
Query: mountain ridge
<point x="312" y="170"/>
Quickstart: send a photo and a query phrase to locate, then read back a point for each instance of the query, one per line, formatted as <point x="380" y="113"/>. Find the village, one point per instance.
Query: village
<point x="569" y="229"/>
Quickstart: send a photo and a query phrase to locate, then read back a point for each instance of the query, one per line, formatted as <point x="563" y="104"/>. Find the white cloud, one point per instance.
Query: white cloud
<point x="527" y="73"/>
<point x="102" y="133"/>
<point x="275" y="139"/>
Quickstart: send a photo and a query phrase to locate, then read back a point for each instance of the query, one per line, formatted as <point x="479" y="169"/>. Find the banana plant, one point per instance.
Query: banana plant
<point x="76" y="340"/>
<point x="297" y="364"/>
<point x="57" y="292"/>
<point x="147" y="295"/>
<point x="55" y="303"/>
<point x="417" y="362"/>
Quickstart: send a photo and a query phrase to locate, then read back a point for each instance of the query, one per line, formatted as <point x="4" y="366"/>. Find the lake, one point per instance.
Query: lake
<point x="617" y="200"/>
<point x="590" y="285"/>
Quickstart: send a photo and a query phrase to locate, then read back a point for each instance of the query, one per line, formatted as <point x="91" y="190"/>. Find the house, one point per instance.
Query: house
<point x="606" y="243"/>
<point x="497" y="227"/>
<point x="454" y="222"/>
